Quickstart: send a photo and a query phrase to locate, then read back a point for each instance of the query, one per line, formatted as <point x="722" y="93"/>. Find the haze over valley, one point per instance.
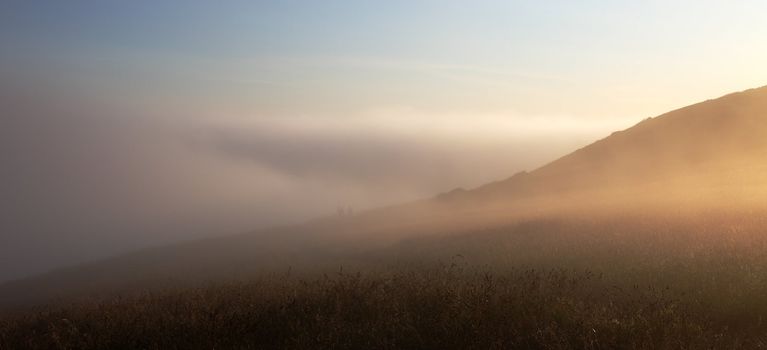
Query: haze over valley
<point x="414" y="174"/>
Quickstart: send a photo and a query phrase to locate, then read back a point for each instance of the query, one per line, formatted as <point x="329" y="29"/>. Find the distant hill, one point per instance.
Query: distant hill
<point x="714" y="139"/>
<point x="719" y="144"/>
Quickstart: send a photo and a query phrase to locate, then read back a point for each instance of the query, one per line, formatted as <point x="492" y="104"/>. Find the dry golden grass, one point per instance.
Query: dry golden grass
<point x="650" y="281"/>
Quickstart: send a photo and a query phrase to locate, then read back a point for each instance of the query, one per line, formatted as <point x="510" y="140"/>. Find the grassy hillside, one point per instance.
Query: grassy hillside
<point x="709" y="155"/>
<point x="651" y="238"/>
<point x="433" y="309"/>
<point x="707" y="138"/>
<point x="632" y="281"/>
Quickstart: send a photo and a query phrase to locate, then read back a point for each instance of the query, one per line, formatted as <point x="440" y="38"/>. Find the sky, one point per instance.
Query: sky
<point x="127" y="124"/>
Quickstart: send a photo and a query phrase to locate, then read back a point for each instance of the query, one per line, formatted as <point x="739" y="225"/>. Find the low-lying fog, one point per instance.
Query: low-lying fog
<point x="82" y="178"/>
<point x="129" y="124"/>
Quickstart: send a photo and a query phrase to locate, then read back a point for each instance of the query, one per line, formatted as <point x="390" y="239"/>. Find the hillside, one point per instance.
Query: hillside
<point x="713" y="139"/>
<point x="715" y="144"/>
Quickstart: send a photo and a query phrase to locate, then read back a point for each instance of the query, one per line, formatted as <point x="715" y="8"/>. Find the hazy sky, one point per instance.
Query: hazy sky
<point x="130" y="123"/>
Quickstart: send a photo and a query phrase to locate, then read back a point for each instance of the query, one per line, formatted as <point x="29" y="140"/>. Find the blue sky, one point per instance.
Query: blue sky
<point x="591" y="59"/>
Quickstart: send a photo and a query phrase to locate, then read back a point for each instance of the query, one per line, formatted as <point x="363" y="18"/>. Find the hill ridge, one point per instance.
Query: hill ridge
<point x="515" y="185"/>
<point x="686" y="141"/>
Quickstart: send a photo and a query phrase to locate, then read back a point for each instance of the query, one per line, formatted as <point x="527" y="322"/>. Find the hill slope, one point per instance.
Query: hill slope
<point x="716" y="136"/>
<point x="715" y="144"/>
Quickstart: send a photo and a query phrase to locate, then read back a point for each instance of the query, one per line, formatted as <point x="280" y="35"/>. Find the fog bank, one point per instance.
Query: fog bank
<point x="84" y="177"/>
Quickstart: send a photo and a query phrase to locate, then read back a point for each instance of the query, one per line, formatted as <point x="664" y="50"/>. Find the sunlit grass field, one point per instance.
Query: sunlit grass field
<point x="694" y="281"/>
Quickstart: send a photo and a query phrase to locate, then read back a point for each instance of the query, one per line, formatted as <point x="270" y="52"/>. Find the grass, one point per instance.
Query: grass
<point x="437" y="309"/>
<point x="616" y="283"/>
